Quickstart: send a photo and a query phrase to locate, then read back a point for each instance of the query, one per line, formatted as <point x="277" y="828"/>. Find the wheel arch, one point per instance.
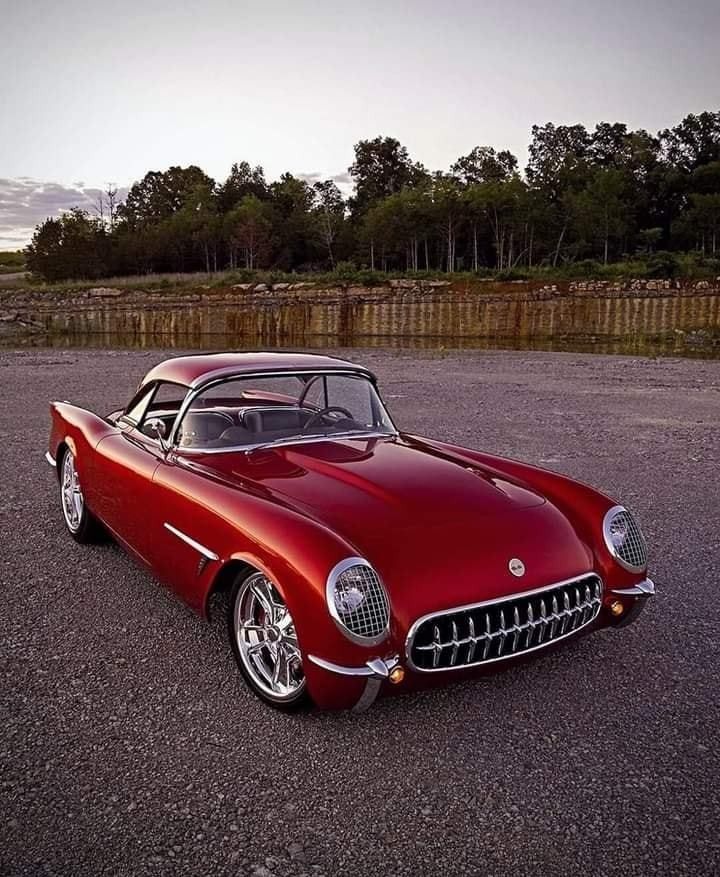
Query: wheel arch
<point x="223" y="579"/>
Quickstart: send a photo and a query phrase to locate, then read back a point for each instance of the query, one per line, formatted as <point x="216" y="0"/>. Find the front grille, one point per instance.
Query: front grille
<point x="487" y="632"/>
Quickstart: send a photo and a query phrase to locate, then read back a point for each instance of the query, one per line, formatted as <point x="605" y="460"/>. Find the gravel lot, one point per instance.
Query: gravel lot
<point x="128" y="744"/>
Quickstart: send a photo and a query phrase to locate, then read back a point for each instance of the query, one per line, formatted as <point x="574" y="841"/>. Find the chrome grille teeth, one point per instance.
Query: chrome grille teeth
<point x="455" y="645"/>
<point x="555" y="617"/>
<point x="576" y="613"/>
<point x="517" y="630"/>
<point x="473" y="640"/>
<point x="488" y="636"/>
<point x="437" y="646"/>
<point x="531" y="625"/>
<point x="543" y="618"/>
<point x="587" y="611"/>
<point x="566" y="612"/>
<point x="502" y="633"/>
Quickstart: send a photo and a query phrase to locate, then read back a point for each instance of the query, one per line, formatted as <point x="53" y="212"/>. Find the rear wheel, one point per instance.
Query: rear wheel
<point x="264" y="642"/>
<point x="78" y="518"/>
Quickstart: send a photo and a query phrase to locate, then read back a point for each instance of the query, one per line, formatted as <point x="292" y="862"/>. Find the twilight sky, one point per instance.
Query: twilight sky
<point x="95" y="92"/>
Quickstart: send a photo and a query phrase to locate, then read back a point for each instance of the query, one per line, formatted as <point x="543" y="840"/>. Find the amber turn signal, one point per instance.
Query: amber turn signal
<point x="397" y="675"/>
<point x="617" y="608"/>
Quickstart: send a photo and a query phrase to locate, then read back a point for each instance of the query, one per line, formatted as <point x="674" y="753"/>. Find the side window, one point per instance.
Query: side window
<point x="135" y="414"/>
<point x="164" y="406"/>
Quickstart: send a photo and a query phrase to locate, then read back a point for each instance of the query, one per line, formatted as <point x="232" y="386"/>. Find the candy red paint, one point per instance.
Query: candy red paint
<point x="438" y="522"/>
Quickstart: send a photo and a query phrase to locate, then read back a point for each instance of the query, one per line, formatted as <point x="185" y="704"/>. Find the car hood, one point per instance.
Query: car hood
<point x="378" y="484"/>
<point x="440" y="529"/>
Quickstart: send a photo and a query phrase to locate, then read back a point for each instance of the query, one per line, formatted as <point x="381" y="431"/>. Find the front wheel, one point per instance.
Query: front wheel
<point x="264" y="642"/>
<point x="78" y="518"/>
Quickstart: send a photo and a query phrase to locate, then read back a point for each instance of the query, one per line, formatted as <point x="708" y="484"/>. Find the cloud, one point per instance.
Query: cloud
<point x="344" y="180"/>
<point x="25" y="202"/>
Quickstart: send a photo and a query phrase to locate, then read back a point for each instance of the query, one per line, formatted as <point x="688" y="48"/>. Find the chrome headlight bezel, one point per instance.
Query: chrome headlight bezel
<point x="337" y="615"/>
<point x="610" y="515"/>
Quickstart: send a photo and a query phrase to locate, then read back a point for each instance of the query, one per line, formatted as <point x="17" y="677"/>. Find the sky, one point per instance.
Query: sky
<point x="94" y="92"/>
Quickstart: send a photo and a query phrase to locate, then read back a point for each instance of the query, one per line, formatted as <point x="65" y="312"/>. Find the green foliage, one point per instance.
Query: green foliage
<point x="12" y="262"/>
<point x="611" y="201"/>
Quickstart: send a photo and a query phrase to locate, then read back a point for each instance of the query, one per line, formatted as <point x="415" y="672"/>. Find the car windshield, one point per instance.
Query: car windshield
<point x="257" y="411"/>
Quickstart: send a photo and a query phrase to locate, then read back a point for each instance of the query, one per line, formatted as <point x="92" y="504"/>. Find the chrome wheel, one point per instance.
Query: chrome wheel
<point x="72" y="498"/>
<point x="266" y="640"/>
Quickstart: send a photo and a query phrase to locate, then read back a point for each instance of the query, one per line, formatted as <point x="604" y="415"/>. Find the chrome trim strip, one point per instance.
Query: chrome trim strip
<point x="332" y="578"/>
<point x="206" y="552"/>
<point x="376" y="667"/>
<point x="294" y="440"/>
<point x="369" y="695"/>
<point x="645" y="588"/>
<point x="441" y="612"/>
<point x="609" y="514"/>
<point x="50" y="459"/>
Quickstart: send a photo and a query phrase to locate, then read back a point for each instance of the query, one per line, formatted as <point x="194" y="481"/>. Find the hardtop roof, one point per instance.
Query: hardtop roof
<point x="198" y="369"/>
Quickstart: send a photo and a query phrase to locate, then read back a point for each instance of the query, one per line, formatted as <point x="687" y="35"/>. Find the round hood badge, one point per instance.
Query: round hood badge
<point x="517" y="567"/>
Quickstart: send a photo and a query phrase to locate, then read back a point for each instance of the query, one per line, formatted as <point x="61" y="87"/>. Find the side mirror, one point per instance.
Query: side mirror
<point x="156" y="428"/>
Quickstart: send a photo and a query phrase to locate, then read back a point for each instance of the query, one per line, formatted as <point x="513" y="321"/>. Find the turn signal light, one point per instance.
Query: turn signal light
<point x="617" y="608"/>
<point x="397" y="675"/>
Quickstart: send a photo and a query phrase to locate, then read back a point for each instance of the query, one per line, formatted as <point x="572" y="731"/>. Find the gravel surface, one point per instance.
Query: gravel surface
<point x="128" y="744"/>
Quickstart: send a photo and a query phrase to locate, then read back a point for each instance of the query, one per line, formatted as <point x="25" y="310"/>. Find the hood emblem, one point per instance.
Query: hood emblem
<point x="517" y="567"/>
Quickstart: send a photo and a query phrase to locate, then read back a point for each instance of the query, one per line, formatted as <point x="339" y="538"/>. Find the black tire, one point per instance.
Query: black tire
<point x="251" y="667"/>
<point x="80" y="522"/>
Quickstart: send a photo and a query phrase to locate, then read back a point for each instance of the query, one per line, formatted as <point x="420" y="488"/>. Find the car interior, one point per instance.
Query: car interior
<point x="254" y="417"/>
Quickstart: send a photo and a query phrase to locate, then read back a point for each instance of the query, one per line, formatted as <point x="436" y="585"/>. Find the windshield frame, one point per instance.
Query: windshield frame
<point x="194" y="392"/>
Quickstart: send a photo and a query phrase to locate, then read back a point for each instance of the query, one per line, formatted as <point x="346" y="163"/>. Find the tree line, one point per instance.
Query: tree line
<point x="603" y="195"/>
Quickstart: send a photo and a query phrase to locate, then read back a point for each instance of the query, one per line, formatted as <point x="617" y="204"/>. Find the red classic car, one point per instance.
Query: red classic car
<point x="356" y="559"/>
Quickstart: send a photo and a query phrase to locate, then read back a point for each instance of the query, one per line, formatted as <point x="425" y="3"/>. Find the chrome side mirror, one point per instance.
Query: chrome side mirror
<point x="156" y="428"/>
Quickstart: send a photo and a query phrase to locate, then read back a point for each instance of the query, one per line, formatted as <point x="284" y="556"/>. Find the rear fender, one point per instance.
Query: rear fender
<point x="81" y="431"/>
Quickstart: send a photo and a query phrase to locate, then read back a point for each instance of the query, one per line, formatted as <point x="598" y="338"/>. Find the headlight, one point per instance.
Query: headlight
<point x="624" y="539"/>
<point x="358" y="602"/>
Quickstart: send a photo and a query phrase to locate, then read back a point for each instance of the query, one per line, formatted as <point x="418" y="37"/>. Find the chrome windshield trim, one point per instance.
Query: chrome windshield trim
<point x="521" y="595"/>
<point x="50" y="459"/>
<point x="645" y="588"/>
<point x="201" y="549"/>
<point x="281" y="443"/>
<point x="200" y="385"/>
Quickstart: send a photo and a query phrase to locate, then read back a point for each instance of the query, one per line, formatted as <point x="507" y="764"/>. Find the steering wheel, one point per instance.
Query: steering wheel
<point x="323" y="411"/>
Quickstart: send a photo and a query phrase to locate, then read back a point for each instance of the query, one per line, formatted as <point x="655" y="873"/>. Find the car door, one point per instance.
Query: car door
<point x="126" y="462"/>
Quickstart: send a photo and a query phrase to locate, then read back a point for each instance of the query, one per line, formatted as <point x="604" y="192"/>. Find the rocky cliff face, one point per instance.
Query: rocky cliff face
<point x="304" y="313"/>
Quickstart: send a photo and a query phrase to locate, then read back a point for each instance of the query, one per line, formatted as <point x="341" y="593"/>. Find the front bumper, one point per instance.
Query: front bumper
<point x="376" y="671"/>
<point x="638" y="597"/>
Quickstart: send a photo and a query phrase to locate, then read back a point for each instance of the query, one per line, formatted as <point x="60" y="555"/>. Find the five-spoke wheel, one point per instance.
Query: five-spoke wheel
<point x="78" y="518"/>
<point x="264" y="641"/>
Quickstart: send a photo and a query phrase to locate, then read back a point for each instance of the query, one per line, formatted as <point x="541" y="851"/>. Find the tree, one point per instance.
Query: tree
<point x="243" y="180"/>
<point x="601" y="212"/>
<point x="250" y="228"/>
<point x="694" y="142"/>
<point x="160" y="194"/>
<point x="447" y="206"/>
<point x="294" y="226"/>
<point x="484" y="165"/>
<point x="72" y="247"/>
<point x="329" y="215"/>
<point x="382" y="167"/>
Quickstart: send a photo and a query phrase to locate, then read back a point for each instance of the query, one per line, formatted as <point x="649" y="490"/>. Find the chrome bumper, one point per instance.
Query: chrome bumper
<point x="641" y="591"/>
<point x="375" y="671"/>
<point x="50" y="459"/>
